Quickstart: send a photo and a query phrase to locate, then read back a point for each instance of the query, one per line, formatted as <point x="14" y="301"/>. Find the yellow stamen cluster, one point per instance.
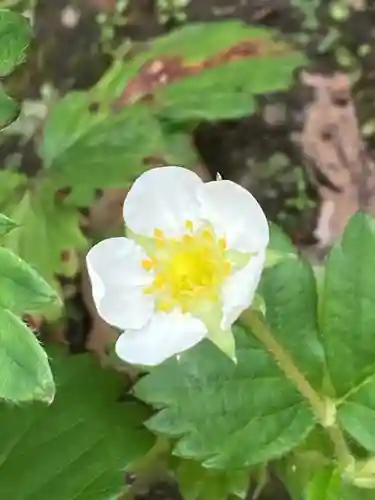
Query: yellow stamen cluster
<point x="187" y="270"/>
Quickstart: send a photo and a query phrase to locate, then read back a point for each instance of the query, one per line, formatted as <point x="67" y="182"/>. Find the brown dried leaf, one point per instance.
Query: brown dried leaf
<point x="336" y="155"/>
<point x="358" y="4"/>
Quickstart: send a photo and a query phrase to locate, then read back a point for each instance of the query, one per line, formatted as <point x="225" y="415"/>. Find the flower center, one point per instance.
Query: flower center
<point x="187" y="270"/>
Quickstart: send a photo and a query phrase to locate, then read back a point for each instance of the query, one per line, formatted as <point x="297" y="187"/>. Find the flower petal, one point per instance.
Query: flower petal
<point x="165" y="335"/>
<point x="235" y="214"/>
<point x="162" y="198"/>
<point x="118" y="279"/>
<point x="239" y="289"/>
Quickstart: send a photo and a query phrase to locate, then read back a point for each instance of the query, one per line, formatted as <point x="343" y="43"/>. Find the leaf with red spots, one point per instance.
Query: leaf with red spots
<point x="48" y="232"/>
<point x="111" y="134"/>
<point x="229" y="91"/>
<point x="197" y="43"/>
<point x="210" y="71"/>
<point x="107" y="149"/>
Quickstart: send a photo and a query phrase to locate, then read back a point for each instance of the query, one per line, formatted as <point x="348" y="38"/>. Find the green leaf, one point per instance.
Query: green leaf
<point x="222" y="413"/>
<point x="193" y="50"/>
<point x="68" y="120"/>
<point x="180" y="148"/>
<point x="111" y="85"/>
<point x="6" y="224"/>
<point x="352" y="493"/>
<point x="197" y="483"/>
<point x="9" y="109"/>
<point x="14" y="39"/>
<point x="279" y="247"/>
<point x="25" y="372"/>
<point x="15" y="35"/>
<point x="322" y="482"/>
<point x="109" y="152"/>
<point x="88" y="142"/>
<point x="356" y="412"/>
<point x="21" y="288"/>
<point x="279" y="241"/>
<point x="348" y="327"/>
<point x="80" y="446"/>
<point x="47" y="232"/>
<point x="325" y="485"/>
<point x="228" y="63"/>
<point x="289" y="291"/>
<point x="197" y="42"/>
<point x="12" y="186"/>
<point x="234" y="97"/>
<point x="347" y="311"/>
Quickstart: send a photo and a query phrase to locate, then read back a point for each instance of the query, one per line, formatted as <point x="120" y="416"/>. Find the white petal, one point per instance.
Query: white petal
<point x="235" y="214"/>
<point x="239" y="289"/>
<point x="165" y="335"/>
<point x="162" y="198"/>
<point x="118" y="279"/>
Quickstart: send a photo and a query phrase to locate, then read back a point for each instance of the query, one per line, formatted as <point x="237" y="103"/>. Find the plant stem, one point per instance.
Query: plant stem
<point x="286" y="364"/>
<point x="344" y="457"/>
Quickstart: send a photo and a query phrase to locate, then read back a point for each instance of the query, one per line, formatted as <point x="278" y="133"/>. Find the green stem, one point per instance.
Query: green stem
<point x="286" y="364"/>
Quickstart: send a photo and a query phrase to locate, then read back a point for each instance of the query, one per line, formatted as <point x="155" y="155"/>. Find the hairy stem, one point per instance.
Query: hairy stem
<point x="286" y="364"/>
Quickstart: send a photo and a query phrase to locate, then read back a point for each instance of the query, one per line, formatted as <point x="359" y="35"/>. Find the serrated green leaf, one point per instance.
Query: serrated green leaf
<point x="347" y="311"/>
<point x="347" y="316"/>
<point x="47" y="231"/>
<point x="21" y="288"/>
<point x="80" y="446"/>
<point x="279" y="241"/>
<point x="197" y="49"/>
<point x="86" y="144"/>
<point x="180" y="148"/>
<point x="322" y="482"/>
<point x="9" y="109"/>
<point x="279" y="247"/>
<point x="25" y="372"/>
<point x="198" y="41"/>
<point x="234" y="97"/>
<point x="6" y="224"/>
<point x="223" y="413"/>
<point x="356" y="413"/>
<point x="228" y="63"/>
<point x="68" y="120"/>
<point x="111" y="152"/>
<point x="289" y="291"/>
<point x="15" y="35"/>
<point x="183" y="101"/>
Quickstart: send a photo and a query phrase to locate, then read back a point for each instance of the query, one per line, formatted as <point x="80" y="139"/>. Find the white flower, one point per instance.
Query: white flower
<point x="188" y="268"/>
